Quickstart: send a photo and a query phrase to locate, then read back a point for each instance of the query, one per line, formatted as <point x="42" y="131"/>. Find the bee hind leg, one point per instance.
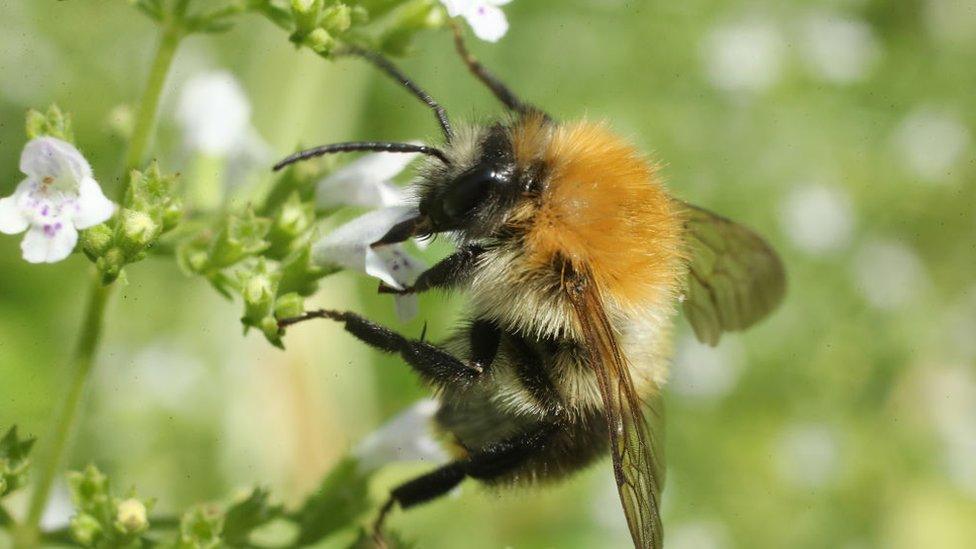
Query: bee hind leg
<point x="488" y="463"/>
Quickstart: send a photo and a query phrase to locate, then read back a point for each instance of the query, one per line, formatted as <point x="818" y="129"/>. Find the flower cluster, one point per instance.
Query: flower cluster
<point x="58" y="198"/>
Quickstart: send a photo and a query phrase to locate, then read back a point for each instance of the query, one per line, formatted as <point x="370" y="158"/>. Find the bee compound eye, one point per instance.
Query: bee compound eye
<point x="469" y="191"/>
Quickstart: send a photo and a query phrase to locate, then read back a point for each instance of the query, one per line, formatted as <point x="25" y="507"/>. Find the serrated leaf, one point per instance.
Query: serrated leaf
<point x="338" y="503"/>
<point x="14" y="454"/>
<point x="243" y="518"/>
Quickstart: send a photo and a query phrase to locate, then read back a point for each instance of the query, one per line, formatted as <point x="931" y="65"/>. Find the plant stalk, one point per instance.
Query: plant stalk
<point x="83" y="359"/>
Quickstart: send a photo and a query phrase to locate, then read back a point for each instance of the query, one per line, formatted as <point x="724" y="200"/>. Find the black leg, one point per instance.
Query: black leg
<point x="485" y="337"/>
<point x="450" y="272"/>
<point x="432" y="363"/>
<point x="485" y="464"/>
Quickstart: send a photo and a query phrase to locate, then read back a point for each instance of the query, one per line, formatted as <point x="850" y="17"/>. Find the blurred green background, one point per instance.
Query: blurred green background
<point x="841" y="129"/>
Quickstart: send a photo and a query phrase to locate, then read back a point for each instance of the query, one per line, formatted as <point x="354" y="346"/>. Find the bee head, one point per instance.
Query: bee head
<point x="472" y="194"/>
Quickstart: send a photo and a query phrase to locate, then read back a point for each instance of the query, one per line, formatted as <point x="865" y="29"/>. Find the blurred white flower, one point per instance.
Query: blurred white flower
<point x="59" y="197"/>
<point x="486" y="18"/>
<point x="888" y="273"/>
<point x="349" y="246"/>
<point x="931" y="142"/>
<point x="837" y="49"/>
<point x="807" y="455"/>
<point x="817" y="218"/>
<point x="949" y="396"/>
<point x="950" y="20"/>
<point x="405" y="438"/>
<point x="59" y="509"/>
<point x="364" y="182"/>
<point x="705" y="372"/>
<point x="744" y="55"/>
<point x="699" y="534"/>
<point x="215" y="113"/>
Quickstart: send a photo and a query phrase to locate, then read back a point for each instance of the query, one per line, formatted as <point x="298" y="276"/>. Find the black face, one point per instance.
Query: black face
<point x="478" y="192"/>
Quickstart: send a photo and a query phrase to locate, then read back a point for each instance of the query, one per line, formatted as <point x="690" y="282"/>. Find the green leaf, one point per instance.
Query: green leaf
<point x="14" y="462"/>
<point x="246" y="516"/>
<point x="53" y="123"/>
<point x="201" y="528"/>
<point x="338" y="503"/>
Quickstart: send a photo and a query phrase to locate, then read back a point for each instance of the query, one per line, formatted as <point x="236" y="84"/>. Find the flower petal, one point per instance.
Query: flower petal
<point x="455" y="7"/>
<point x="346" y="246"/>
<point x="488" y="22"/>
<point x="214" y="112"/>
<point x="365" y="182"/>
<point x="406" y="437"/>
<point x="393" y="265"/>
<point x="12" y="218"/>
<point x="54" y="160"/>
<point x="49" y="243"/>
<point x="92" y="206"/>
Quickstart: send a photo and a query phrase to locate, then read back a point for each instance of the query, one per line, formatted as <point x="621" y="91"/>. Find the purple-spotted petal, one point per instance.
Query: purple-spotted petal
<point x="487" y="21"/>
<point x="346" y="246"/>
<point x="394" y="266"/>
<point x="50" y="242"/>
<point x="12" y="218"/>
<point x="54" y="162"/>
<point x="91" y="207"/>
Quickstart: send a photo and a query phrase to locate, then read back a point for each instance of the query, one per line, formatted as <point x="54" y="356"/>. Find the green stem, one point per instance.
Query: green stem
<point x="91" y="329"/>
<point x="81" y="365"/>
<point x="148" y="107"/>
<point x="5" y="519"/>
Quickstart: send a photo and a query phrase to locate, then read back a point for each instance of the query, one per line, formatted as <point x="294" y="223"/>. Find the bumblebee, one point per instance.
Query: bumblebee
<point x="575" y="258"/>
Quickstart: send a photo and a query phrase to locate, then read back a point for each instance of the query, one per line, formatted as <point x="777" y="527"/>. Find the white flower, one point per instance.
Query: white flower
<point x="59" y="197"/>
<point x="406" y="437"/>
<point x="487" y="20"/>
<point x="888" y="273"/>
<point x="365" y="182"/>
<point x="818" y="219"/>
<point x="808" y="455"/>
<point x="215" y="114"/>
<point x="837" y="49"/>
<point x="932" y="142"/>
<point x="701" y="372"/>
<point x="349" y="246"/>
<point x="744" y="56"/>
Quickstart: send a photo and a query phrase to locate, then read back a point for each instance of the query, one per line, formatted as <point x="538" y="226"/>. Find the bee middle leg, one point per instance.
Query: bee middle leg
<point x="488" y="463"/>
<point x="431" y="362"/>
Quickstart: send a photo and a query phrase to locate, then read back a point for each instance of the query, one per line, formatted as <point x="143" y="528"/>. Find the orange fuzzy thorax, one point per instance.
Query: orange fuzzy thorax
<point x="603" y="209"/>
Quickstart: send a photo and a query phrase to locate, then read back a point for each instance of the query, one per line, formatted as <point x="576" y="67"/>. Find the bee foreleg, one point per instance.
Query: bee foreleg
<point x="450" y="272"/>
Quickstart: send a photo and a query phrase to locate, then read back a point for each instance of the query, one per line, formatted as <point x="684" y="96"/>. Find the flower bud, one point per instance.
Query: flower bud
<point x="320" y="40"/>
<point x="85" y="529"/>
<point x="337" y="18"/>
<point x="131" y="515"/>
<point x="289" y="305"/>
<point x="258" y="291"/>
<point x="138" y="229"/>
<point x="302" y="7"/>
<point x="96" y="241"/>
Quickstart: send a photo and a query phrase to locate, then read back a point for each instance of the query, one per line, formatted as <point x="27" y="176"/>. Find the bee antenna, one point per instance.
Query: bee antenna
<point x="395" y="73"/>
<point x="499" y="89"/>
<point x="357" y="146"/>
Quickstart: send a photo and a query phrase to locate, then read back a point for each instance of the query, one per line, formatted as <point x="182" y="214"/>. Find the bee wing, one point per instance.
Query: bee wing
<point x="734" y="277"/>
<point x="638" y="462"/>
